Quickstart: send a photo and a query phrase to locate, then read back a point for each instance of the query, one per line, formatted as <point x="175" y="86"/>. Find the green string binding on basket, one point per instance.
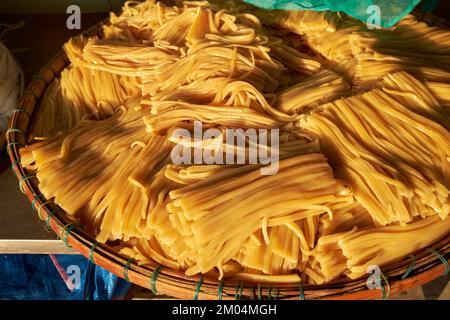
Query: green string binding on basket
<point x="14" y="143"/>
<point x="10" y="130"/>
<point x="66" y="232"/>
<point x="259" y="291"/>
<point x="269" y="293"/>
<point x="47" y="221"/>
<point x="385" y="293"/>
<point x="36" y="198"/>
<point x="24" y="178"/>
<point x="277" y="294"/>
<point x="443" y="260"/>
<point x="40" y="209"/>
<point x="22" y="110"/>
<point x="301" y="292"/>
<point x="220" y="290"/>
<point x="239" y="288"/>
<point x="13" y="167"/>
<point x="197" y="290"/>
<point x="91" y="252"/>
<point x="125" y="270"/>
<point x="410" y="268"/>
<point x="154" y="278"/>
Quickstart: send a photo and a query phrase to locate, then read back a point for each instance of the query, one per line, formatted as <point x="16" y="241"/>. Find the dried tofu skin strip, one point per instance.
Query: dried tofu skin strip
<point x="301" y="21"/>
<point x="316" y="90"/>
<point x="55" y="115"/>
<point x="407" y="47"/>
<point x="374" y="53"/>
<point x="440" y="91"/>
<point x="205" y="208"/>
<point x="89" y="149"/>
<point x="396" y="160"/>
<point x="411" y="92"/>
<point x="356" y="250"/>
<point x="81" y="93"/>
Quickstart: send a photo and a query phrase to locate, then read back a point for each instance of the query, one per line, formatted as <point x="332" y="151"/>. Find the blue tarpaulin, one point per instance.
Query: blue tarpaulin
<point x="57" y="277"/>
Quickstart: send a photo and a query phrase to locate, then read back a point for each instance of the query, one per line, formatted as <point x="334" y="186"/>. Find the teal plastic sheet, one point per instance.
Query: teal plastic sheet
<point x="382" y="13"/>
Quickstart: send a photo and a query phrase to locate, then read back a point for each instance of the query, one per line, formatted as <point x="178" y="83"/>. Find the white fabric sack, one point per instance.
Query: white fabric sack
<point x="11" y="85"/>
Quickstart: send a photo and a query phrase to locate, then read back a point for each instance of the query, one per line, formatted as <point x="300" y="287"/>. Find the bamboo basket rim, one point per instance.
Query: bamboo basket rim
<point x="409" y="272"/>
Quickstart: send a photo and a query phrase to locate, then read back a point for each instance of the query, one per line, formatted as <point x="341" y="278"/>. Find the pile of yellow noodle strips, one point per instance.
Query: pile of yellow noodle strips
<point x="364" y="171"/>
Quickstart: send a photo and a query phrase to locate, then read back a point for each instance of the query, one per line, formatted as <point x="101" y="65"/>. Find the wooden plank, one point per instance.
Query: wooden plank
<point x="34" y="247"/>
<point x="416" y="294"/>
<point x="18" y="221"/>
<point x="412" y="294"/>
<point x="445" y="294"/>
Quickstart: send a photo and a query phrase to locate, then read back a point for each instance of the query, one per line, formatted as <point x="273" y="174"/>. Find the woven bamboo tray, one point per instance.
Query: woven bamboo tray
<point x="415" y="270"/>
